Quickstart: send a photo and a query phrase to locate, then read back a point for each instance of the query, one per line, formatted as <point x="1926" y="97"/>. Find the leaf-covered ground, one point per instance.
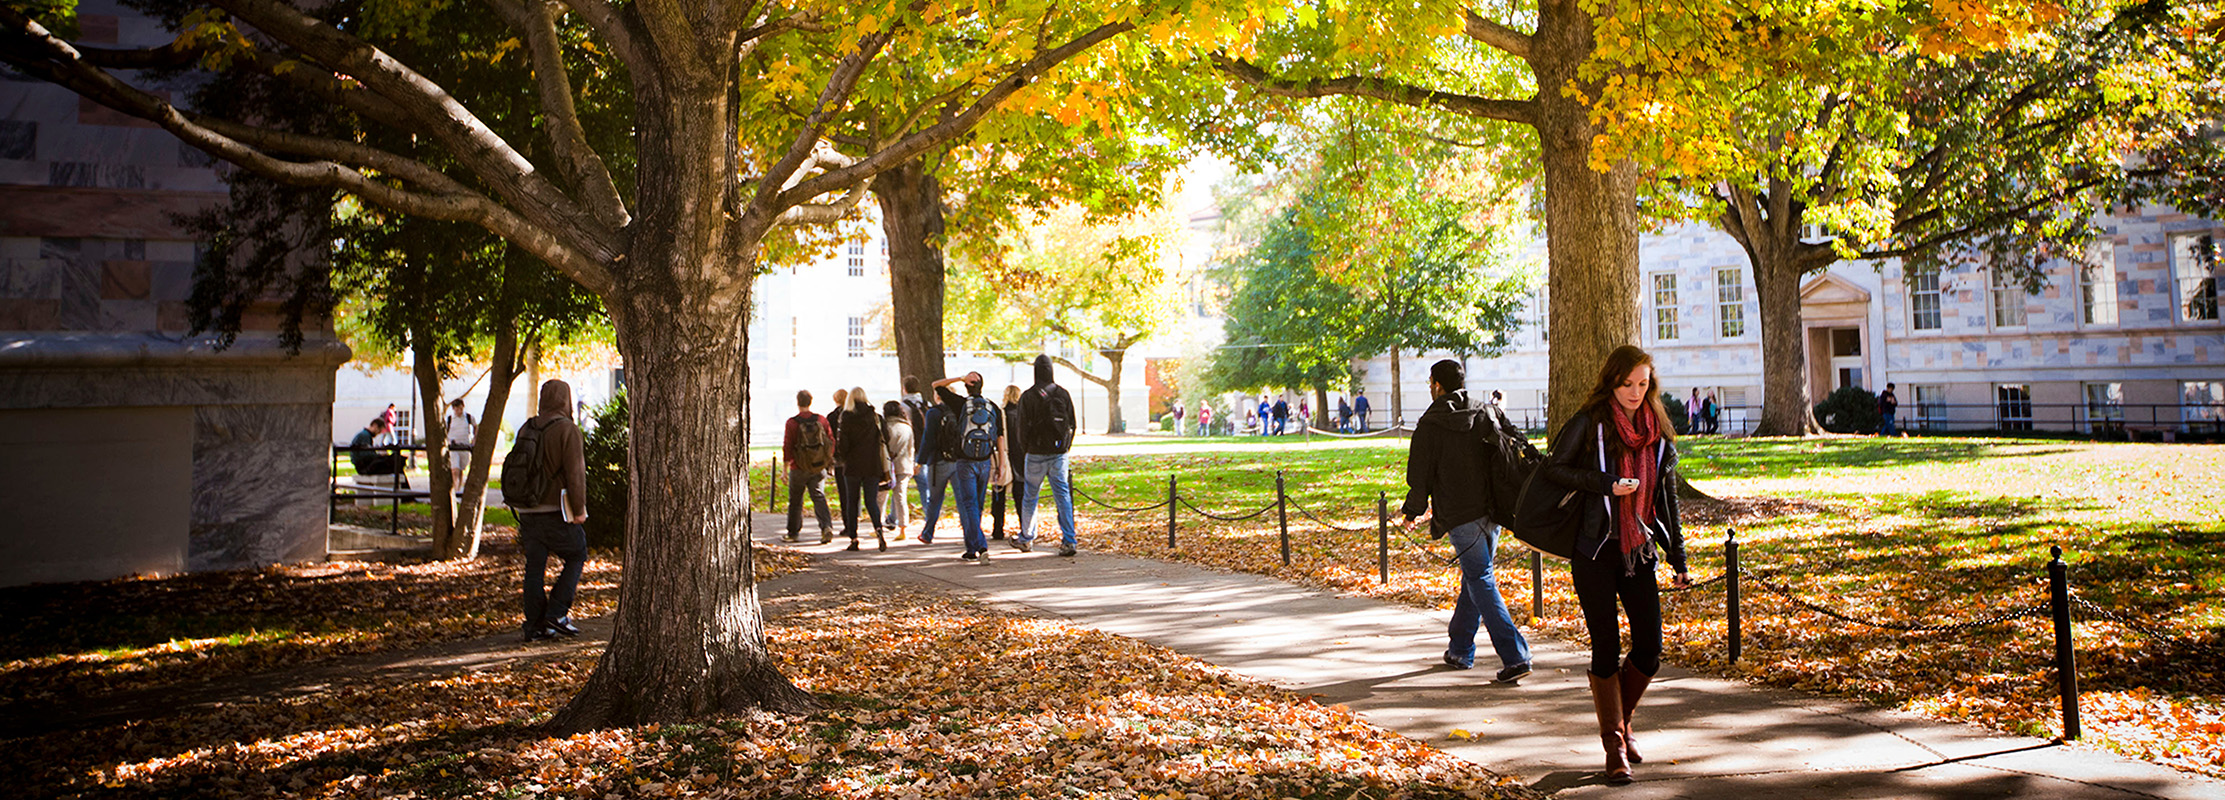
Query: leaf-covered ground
<point x="923" y="696"/>
<point x="1912" y="531"/>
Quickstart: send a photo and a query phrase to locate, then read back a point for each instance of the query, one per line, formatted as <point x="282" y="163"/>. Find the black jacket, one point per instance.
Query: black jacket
<point x="1574" y="463"/>
<point x="1037" y="407"/>
<point x="857" y="447"/>
<point x="1444" y="464"/>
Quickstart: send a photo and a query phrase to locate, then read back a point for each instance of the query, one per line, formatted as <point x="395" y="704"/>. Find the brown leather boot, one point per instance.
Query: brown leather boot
<point x="1633" y="687"/>
<point x="1606" y="702"/>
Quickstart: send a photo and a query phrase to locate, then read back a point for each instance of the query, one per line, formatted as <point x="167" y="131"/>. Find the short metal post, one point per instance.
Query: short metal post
<point x="2066" y="658"/>
<point x="1170" y="510"/>
<point x="1383" y="537"/>
<point x="1537" y="585"/>
<point x="1282" y="517"/>
<point x="1730" y="589"/>
<point x="772" y="484"/>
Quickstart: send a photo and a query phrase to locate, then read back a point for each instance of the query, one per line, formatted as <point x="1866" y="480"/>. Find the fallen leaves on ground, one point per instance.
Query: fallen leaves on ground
<point x="1962" y="540"/>
<point x="923" y="697"/>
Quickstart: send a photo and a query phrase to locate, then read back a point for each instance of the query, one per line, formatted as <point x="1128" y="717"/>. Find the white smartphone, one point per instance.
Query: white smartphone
<point x="1626" y="482"/>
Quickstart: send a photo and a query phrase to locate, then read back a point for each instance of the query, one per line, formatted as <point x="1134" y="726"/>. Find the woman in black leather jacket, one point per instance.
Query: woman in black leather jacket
<point x="1619" y="451"/>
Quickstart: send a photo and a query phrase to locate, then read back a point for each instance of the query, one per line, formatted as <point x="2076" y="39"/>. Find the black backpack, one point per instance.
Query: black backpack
<point x="1047" y="431"/>
<point x="1509" y="462"/>
<point x="526" y="479"/>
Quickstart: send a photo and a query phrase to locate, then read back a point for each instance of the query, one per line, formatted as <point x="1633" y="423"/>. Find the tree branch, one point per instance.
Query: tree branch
<point x="609" y="24"/>
<point x="1077" y="368"/>
<point x="443" y="117"/>
<point x="536" y="19"/>
<point x="1513" y="42"/>
<point x="953" y="126"/>
<point x="771" y="196"/>
<point x="31" y="48"/>
<point x="1521" y="112"/>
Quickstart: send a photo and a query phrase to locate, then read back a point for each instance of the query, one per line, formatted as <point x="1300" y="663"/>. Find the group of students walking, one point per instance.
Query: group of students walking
<point x="1618" y="457"/>
<point x="962" y="447"/>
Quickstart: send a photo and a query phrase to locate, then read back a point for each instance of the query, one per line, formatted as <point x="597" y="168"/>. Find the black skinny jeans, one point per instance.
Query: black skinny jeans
<point x="857" y="493"/>
<point x="1599" y="584"/>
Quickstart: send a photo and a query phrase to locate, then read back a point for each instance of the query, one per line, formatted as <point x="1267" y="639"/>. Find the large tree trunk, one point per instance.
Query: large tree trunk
<point x="1591" y="219"/>
<point x="426" y="369"/>
<point x="1768" y="227"/>
<point x="1116" y="360"/>
<point x="911" y="203"/>
<point x="1321" y="409"/>
<point x="688" y="639"/>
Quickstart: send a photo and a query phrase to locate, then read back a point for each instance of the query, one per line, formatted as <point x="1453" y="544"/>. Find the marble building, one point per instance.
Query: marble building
<point x="2125" y="340"/>
<point x="127" y="446"/>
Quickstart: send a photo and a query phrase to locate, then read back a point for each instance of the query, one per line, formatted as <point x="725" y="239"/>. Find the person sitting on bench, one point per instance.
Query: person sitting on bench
<point x="371" y="462"/>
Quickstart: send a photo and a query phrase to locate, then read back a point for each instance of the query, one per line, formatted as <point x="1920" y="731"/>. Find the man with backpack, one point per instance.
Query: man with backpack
<point x="544" y="481"/>
<point x="808" y="448"/>
<point x="1047" y="432"/>
<point x="968" y="430"/>
<point x="1448" y="476"/>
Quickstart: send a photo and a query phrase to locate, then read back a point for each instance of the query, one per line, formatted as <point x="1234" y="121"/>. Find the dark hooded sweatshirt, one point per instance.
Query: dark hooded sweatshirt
<point x="1444" y="467"/>
<point x="1042" y="407"/>
<point x="562" y="453"/>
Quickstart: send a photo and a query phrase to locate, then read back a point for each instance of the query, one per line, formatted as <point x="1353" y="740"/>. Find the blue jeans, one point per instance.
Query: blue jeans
<point x="1032" y="473"/>
<point x="1477" y="542"/>
<point x="1885" y="426"/>
<point x="970" y="481"/>
<point x="543" y="534"/>
<point x="934" y="481"/>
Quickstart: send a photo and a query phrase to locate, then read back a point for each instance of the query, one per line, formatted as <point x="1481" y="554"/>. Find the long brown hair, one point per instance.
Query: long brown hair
<point x="1619" y="365"/>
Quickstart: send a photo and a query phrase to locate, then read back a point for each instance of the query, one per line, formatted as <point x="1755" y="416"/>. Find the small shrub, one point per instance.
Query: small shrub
<point x="607" y="489"/>
<point x="1680" y="415"/>
<point x="1851" y="409"/>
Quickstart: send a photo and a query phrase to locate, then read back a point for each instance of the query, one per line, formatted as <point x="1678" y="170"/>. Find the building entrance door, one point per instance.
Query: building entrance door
<point x="1846" y="358"/>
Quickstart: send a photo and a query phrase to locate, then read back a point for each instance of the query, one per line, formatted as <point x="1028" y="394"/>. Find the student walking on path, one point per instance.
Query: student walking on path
<point x="1619" y="452"/>
<point x="807" y="447"/>
<point x="896" y="506"/>
<point x="550" y="501"/>
<point x="1047" y="427"/>
<point x="834" y="424"/>
<point x="1007" y="466"/>
<point x="967" y="436"/>
<point x="915" y="409"/>
<point x="861" y="459"/>
<point x="1445" y="479"/>
<point x="1360" y="407"/>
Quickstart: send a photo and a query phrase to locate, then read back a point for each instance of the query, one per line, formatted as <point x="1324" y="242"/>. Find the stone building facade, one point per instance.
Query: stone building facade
<point x="2126" y="339"/>
<point x="127" y="446"/>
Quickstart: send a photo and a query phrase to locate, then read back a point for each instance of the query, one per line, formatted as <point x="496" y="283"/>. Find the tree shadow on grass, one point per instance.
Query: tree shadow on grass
<point x="1791" y="458"/>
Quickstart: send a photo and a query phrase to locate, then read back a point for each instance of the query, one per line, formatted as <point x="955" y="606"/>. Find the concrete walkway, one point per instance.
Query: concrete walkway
<point x="1703" y="737"/>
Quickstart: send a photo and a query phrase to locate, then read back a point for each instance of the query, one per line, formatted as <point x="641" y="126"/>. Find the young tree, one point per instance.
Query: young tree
<point x="1099" y="284"/>
<point x="719" y="165"/>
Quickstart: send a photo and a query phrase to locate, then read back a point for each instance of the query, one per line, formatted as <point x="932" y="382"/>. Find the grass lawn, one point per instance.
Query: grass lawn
<point x="1913" y="531"/>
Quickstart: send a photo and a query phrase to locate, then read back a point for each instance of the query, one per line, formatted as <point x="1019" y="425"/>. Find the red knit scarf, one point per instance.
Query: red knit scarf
<point x="1638" y="460"/>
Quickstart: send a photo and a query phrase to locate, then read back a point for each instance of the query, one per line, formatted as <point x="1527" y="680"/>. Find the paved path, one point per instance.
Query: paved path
<point x="1704" y="737"/>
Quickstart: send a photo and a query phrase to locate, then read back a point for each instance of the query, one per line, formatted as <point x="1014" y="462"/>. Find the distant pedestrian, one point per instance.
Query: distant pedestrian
<point x="463" y="432"/>
<point x="915" y="409"/>
<point x="1344" y="415"/>
<point x="1204" y="419"/>
<point x="807" y="446"/>
<point x="861" y="455"/>
<point x="1305" y="414"/>
<point x="1447" y="478"/>
<point x="392" y="418"/>
<point x="1888" y="405"/>
<point x="897" y="439"/>
<point x="968" y="436"/>
<point x="1266" y="412"/>
<point x="1047" y="425"/>
<point x="1711" y="414"/>
<point x="1620" y="449"/>
<point x="1360" y="408"/>
<point x="834" y="423"/>
<point x="1007" y="469"/>
<point x="1692" y="409"/>
<point x="1178" y="417"/>
<point x="1250" y="419"/>
<point x="1282" y="415"/>
<point x="552" y="523"/>
<point x="934" y="472"/>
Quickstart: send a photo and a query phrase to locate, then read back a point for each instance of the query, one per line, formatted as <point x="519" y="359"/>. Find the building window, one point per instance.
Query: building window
<point x="2012" y="406"/>
<point x="2194" y="262"/>
<point x="1923" y="299"/>
<point x="1664" y="306"/>
<point x="2097" y="286"/>
<point x="857" y="260"/>
<point x="1730" y="301"/>
<point x="2202" y="406"/>
<point x="1931" y="407"/>
<point x="1542" y="304"/>
<point x="857" y="337"/>
<point x="2008" y="298"/>
<point x="2105" y="407"/>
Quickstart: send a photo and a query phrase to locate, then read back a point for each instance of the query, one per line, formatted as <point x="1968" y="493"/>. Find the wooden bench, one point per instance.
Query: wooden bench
<point x="369" y="487"/>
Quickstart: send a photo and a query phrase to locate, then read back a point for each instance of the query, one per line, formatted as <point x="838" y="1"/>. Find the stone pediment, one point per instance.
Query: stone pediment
<point x="1829" y="289"/>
